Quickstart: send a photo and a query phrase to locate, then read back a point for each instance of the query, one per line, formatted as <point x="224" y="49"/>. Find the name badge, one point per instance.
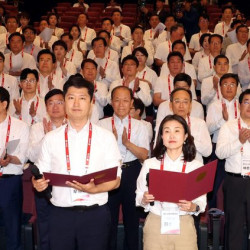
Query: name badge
<point x="245" y="165"/>
<point x="170" y="220"/>
<point x="78" y="197"/>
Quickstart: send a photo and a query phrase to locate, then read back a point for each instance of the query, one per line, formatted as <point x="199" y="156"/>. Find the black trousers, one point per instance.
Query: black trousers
<point x="237" y="212"/>
<point x="79" y="230"/>
<point x="11" y="201"/>
<point x="125" y="196"/>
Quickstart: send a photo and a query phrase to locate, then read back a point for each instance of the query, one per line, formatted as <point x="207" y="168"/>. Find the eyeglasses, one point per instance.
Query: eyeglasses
<point x="231" y="85"/>
<point x="185" y="102"/>
<point x="55" y="102"/>
<point x="127" y="64"/>
<point x="32" y="81"/>
<point x="246" y="103"/>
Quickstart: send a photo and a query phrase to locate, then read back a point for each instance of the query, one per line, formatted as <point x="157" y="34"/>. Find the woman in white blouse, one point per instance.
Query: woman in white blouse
<point x="175" y="151"/>
<point x="52" y="20"/>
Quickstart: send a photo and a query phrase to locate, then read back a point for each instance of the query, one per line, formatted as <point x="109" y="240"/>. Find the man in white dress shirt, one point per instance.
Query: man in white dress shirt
<point x="222" y="27"/>
<point x="120" y="30"/>
<point x="108" y="70"/>
<point x="7" y="81"/>
<point x="17" y="60"/>
<point x="81" y="3"/>
<point x="30" y="107"/>
<point x="87" y="34"/>
<point x="89" y="72"/>
<point x="115" y="42"/>
<point x="236" y="52"/>
<point x="72" y="55"/>
<point x="11" y="170"/>
<point x="77" y="148"/>
<point x="181" y="80"/>
<point x="132" y="139"/>
<point x="29" y="47"/>
<point x="233" y="145"/>
<point x="205" y="67"/>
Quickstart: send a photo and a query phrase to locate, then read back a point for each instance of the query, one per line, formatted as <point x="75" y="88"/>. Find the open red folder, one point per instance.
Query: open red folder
<point x="99" y="177"/>
<point x="172" y="186"/>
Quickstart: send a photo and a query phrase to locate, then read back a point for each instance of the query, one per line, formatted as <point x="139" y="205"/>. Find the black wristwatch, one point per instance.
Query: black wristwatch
<point x="138" y="89"/>
<point x="197" y="208"/>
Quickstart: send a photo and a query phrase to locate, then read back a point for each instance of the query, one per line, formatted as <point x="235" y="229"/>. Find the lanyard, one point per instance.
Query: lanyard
<point x="129" y="126"/>
<point x="114" y="30"/>
<point x="210" y="63"/>
<point x="67" y="148"/>
<point x="11" y="59"/>
<point x="169" y="87"/>
<point x="36" y="107"/>
<point x="189" y="122"/>
<point x="151" y="33"/>
<point x="94" y="92"/>
<point x="235" y="108"/>
<point x="123" y="84"/>
<point x="223" y="28"/>
<point x="64" y="65"/>
<point x="169" y="46"/>
<point x="239" y="127"/>
<point x="72" y="55"/>
<point x="7" y="42"/>
<point x="183" y="166"/>
<point x="32" y="49"/>
<point x="85" y="35"/>
<point x="105" y="66"/>
<point x="144" y="73"/>
<point x="109" y="54"/>
<point x="8" y="132"/>
<point x="2" y="79"/>
<point x="248" y="63"/>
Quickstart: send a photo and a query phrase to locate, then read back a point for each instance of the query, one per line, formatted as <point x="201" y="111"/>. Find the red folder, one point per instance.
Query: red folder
<point x="172" y="187"/>
<point x="99" y="177"/>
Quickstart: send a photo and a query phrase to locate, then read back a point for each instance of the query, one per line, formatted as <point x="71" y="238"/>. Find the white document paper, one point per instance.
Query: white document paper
<point x="232" y="36"/>
<point x="12" y="145"/>
<point x="160" y="27"/>
<point x="46" y="34"/>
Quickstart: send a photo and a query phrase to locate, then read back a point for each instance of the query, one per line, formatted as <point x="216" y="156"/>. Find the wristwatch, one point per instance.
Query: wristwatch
<point x="197" y="208"/>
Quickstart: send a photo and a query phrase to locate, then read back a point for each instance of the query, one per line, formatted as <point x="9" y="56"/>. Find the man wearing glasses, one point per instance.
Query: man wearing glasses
<point x="233" y="145"/>
<point x="30" y="107"/>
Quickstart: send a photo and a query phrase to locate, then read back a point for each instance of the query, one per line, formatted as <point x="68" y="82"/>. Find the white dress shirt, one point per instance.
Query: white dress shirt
<point x="244" y="73"/>
<point x="188" y="69"/>
<point x="32" y="49"/>
<point x="139" y="134"/>
<point x="87" y="34"/>
<point x="164" y="48"/>
<point x="109" y="54"/>
<point x="143" y="93"/>
<point x="148" y="74"/>
<point x="83" y="45"/>
<point x="69" y="66"/>
<point x="122" y="30"/>
<point x="164" y="110"/>
<point x="4" y="40"/>
<point x="197" y="57"/>
<point x="215" y="118"/>
<point x="149" y="36"/>
<point x="221" y="28"/>
<point x="163" y="85"/>
<point x="205" y="67"/>
<point x="149" y="128"/>
<point x="11" y="84"/>
<point x="77" y="5"/>
<point x="75" y="57"/>
<point x="233" y="53"/>
<point x="102" y="156"/>
<point x="169" y="165"/>
<point x="58" y="32"/>
<point x="19" y="62"/>
<point x="112" y="71"/>
<point x="18" y="130"/>
<point x="38" y="40"/>
<point x="127" y="50"/>
<point x="209" y="94"/>
<point x="25" y="116"/>
<point x="116" y="44"/>
<point x="2" y="30"/>
<point x="195" y="41"/>
<point x="229" y="146"/>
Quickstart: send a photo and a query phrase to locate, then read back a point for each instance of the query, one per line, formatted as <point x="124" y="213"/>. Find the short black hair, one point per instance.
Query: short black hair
<point x="122" y="87"/>
<point x="52" y="14"/>
<point x="176" y="27"/>
<point x="2" y="56"/>
<point x="220" y="57"/>
<point x="107" y="19"/>
<point x="103" y="31"/>
<point x="140" y="49"/>
<point x="180" y="89"/>
<point x="116" y="10"/>
<point x="248" y="41"/>
<point x="241" y="97"/>
<point x="202" y="38"/>
<point x="85" y="14"/>
<point x="130" y="57"/>
<point x="137" y="27"/>
<point x="241" y="26"/>
<point x="188" y="148"/>
<point x="25" y="15"/>
<point x="170" y="15"/>
<point x="5" y="96"/>
<point x="234" y="23"/>
<point x="75" y="26"/>
<point x="52" y="93"/>
<point x="227" y="7"/>
<point x="88" y="60"/>
<point x="215" y="35"/>
<point x="16" y="34"/>
<point x="229" y="75"/>
<point x="175" y="53"/>
<point x="67" y="34"/>
<point x="96" y="39"/>
<point x="11" y="17"/>
<point x="204" y="16"/>
<point x="178" y="42"/>
<point x="77" y="81"/>
<point x="59" y="43"/>
<point x="46" y="51"/>
<point x="27" y="71"/>
<point x="29" y="28"/>
<point x="138" y="104"/>
<point x="184" y="78"/>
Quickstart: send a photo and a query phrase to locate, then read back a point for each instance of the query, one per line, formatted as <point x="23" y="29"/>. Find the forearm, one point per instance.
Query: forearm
<point x="139" y="152"/>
